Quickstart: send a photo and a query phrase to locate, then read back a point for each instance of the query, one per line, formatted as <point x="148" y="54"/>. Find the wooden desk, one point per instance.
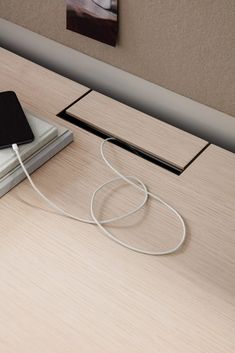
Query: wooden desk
<point x="64" y="287"/>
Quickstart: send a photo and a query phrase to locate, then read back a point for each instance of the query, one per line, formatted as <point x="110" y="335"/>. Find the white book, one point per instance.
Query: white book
<point x="44" y="148"/>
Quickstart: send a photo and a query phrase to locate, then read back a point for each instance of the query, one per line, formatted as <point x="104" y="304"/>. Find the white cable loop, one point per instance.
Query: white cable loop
<point x="110" y="235"/>
<point x="141" y="187"/>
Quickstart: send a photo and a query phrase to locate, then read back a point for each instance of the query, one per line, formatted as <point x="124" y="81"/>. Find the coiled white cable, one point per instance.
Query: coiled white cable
<point x="141" y="187"/>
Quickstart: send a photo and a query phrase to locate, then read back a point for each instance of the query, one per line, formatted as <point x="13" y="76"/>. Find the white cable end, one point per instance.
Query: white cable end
<point x="15" y="147"/>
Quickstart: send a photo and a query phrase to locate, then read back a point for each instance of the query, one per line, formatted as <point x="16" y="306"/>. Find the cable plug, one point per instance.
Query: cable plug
<point x="15" y="147"/>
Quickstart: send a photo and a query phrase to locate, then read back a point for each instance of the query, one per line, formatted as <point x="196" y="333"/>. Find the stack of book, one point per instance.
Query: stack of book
<point x="49" y="140"/>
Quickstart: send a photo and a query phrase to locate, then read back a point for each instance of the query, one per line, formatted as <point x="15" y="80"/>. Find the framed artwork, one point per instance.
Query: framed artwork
<point x="97" y="19"/>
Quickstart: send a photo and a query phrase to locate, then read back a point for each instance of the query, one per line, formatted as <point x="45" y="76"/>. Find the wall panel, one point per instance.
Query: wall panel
<point x="184" y="45"/>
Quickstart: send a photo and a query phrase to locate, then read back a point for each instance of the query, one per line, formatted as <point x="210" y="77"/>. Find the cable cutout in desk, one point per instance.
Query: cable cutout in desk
<point x="132" y="180"/>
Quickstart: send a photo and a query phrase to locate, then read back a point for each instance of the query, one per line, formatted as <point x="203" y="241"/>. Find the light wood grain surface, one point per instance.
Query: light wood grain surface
<point x="40" y="88"/>
<point x="64" y="287"/>
<point x="155" y="137"/>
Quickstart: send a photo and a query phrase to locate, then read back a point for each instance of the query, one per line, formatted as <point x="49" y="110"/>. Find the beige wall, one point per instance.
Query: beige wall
<point x="186" y="46"/>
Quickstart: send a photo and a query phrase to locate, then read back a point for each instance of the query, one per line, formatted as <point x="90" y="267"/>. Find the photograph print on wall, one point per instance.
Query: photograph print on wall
<point x="97" y="19"/>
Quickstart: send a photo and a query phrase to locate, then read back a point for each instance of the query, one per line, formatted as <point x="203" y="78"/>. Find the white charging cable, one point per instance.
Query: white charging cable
<point x="130" y="180"/>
